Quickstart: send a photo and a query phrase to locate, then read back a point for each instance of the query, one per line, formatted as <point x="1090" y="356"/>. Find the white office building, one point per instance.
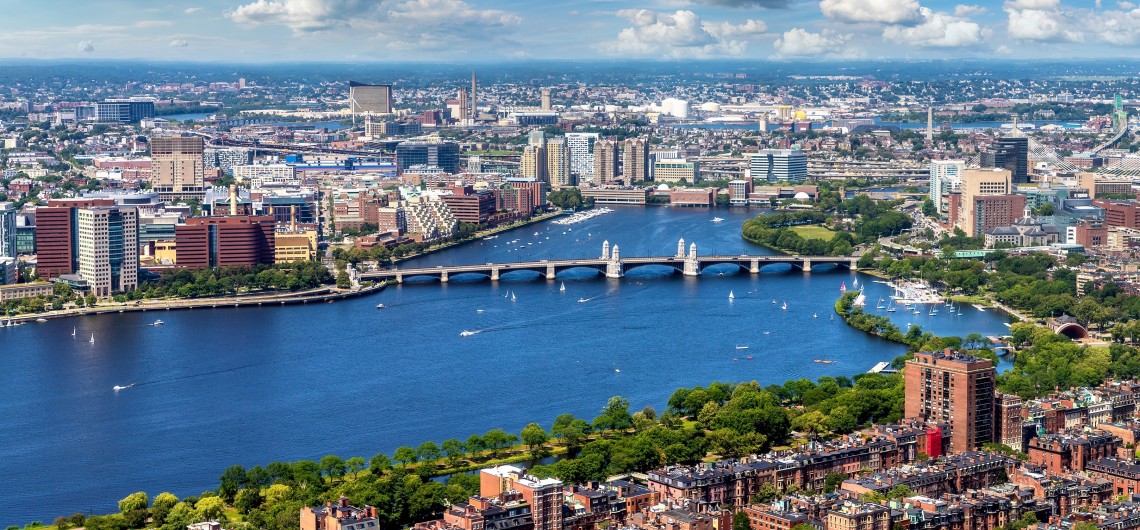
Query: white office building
<point x="779" y="165"/>
<point x="945" y="177"/>
<point x="581" y="148"/>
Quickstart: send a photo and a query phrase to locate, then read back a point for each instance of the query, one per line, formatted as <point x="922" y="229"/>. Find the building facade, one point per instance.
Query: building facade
<point x="779" y="165"/>
<point x="945" y="177"/>
<point x="955" y="389"/>
<point x="581" y="149"/>
<point x="558" y="163"/>
<point x="108" y="248"/>
<point x="676" y="170"/>
<point x="444" y="155"/>
<point x="225" y="241"/>
<point x="635" y="160"/>
<point x="176" y="167"/>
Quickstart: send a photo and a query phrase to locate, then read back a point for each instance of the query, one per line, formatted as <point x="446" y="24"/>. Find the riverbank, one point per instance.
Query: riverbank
<point x="480" y="235"/>
<point x="322" y="294"/>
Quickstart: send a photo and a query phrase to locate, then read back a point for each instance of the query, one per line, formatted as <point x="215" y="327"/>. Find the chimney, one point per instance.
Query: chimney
<point x="233" y="199"/>
<point x="293" y="218"/>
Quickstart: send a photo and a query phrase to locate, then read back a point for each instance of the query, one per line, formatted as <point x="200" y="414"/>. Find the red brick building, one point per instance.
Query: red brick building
<point x="1062" y="453"/>
<point x="470" y="206"/>
<point x="1120" y="213"/>
<point x="339" y="516"/>
<point x="57" y="251"/>
<point x="225" y="241"/>
<point x="955" y="389"/>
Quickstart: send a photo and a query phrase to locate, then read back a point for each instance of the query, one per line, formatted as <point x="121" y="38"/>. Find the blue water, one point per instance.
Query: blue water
<point x="216" y="387"/>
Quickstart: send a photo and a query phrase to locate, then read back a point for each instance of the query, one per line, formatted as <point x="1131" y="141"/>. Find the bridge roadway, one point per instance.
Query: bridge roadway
<point x="614" y="266"/>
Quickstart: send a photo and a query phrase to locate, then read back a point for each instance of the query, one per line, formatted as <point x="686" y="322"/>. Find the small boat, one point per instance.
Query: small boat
<point x="813" y="315"/>
<point x="72" y="332"/>
<point x="749" y="357"/>
<point x="41" y="320"/>
<point x="785" y="306"/>
<point x="379" y="306"/>
<point x="513" y="297"/>
<point x="890" y="307"/>
<point x="563" y="288"/>
<point x="466" y="333"/>
<point x="843" y="287"/>
<point x="717" y="220"/>
<point x="880" y="304"/>
<point x="855" y="283"/>
<point x="92" y="341"/>
<point x="583" y="300"/>
<point x="158" y="323"/>
<point x="536" y="234"/>
<point x="617" y="370"/>
<point x="767" y="332"/>
<point x="979" y="308"/>
<point x="742" y="347"/>
<point x="735" y="358"/>
<point x="731" y="296"/>
<point x="773" y="301"/>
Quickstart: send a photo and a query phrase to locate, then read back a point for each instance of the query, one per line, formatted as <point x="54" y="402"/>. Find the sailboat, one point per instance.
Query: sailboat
<point x="785" y="306"/>
<point x="891" y="307"/>
<point x="933" y="310"/>
<point x="72" y="332"/>
<point x="880" y="304"/>
<point x="855" y="283"/>
<point x="92" y="341"/>
<point x="563" y="288"/>
<point x="730" y="295"/>
<point x="843" y="287"/>
<point x="814" y="315"/>
<point x="513" y="297"/>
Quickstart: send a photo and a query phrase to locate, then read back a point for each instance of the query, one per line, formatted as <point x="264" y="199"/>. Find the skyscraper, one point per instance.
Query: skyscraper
<point x="605" y="161"/>
<point x="533" y="164"/>
<point x="558" y="163"/>
<point x="635" y="160"/>
<point x="945" y="177"/>
<point x="581" y="147"/>
<point x="956" y="389"/>
<point x="108" y="248"/>
<point x="779" y="165"/>
<point x="444" y="155"/>
<point x="7" y="230"/>
<point x="57" y="249"/>
<point x="1010" y="153"/>
<point x="546" y="99"/>
<point x="369" y="99"/>
<point x="474" y="100"/>
<point x="176" y="167"/>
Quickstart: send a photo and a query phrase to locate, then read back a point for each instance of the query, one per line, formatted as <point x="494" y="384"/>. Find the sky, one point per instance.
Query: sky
<point x="258" y="31"/>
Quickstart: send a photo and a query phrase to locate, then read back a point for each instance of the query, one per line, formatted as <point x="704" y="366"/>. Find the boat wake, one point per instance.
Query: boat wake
<point x="184" y="377"/>
<point x="468" y="333"/>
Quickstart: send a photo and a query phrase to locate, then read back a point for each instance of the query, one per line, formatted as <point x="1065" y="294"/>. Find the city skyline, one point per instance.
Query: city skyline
<point x="488" y="30"/>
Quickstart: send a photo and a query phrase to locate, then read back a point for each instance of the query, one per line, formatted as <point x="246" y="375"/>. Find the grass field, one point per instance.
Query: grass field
<point x="813" y="232"/>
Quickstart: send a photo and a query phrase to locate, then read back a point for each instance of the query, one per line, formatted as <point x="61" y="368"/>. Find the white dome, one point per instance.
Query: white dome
<point x="663" y="187"/>
<point x="801" y="196"/>
<point x="710" y="107"/>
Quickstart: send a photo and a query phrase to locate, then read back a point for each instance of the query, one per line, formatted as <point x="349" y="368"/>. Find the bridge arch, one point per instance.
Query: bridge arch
<point x="664" y="265"/>
<point x="600" y="269"/>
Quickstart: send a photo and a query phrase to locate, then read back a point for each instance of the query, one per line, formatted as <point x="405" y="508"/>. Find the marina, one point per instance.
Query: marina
<point x="582" y="216"/>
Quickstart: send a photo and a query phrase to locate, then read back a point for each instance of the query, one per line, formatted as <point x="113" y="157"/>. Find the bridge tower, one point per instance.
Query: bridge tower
<point x="692" y="264"/>
<point x="614" y="268"/>
<point x="680" y="248"/>
<point x="606" y="249"/>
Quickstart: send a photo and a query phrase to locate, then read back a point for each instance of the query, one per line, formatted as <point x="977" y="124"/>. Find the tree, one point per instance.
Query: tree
<point x="453" y="449"/>
<point x="428" y="452"/>
<point x="163" y="502"/>
<point x="615" y="415"/>
<point x="766" y="494"/>
<point x="497" y="439"/>
<point x="535" y="438"/>
<point x="833" y="481"/>
<point x="135" y="501"/>
<point x="276" y="494"/>
<point x="740" y="521"/>
<point x="475" y="444"/>
<point x="333" y="466"/>
<point x="210" y="508"/>
<point x="356" y="464"/>
<point x="404" y="455"/>
<point x="247" y="500"/>
<point x="232" y="480"/>
<point x="379" y="464"/>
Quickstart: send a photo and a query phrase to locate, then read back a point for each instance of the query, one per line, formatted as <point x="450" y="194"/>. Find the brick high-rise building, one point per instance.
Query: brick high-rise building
<point x="635" y="160"/>
<point x="558" y="163"/>
<point x="57" y="251"/>
<point x="177" y="170"/>
<point x="605" y="161"/>
<point x="545" y="496"/>
<point x="1124" y="214"/>
<point x="225" y="241"/>
<point x="955" y="389"/>
<point x="986" y="201"/>
<point x="533" y="164"/>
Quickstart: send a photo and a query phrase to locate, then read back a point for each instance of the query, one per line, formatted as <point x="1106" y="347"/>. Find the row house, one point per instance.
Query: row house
<point x="1061" y="453"/>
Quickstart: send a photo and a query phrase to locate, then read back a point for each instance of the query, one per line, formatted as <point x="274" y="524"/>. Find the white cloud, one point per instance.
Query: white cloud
<point x="179" y="43"/>
<point x="963" y="10"/>
<point x="680" y="34"/>
<point x="192" y="10"/>
<point x="85" y="46"/>
<point x="883" y="11"/>
<point x="1119" y="28"/>
<point x="937" y="30"/>
<point x="1041" y="20"/>
<point x="446" y="25"/>
<point x="799" y="42"/>
<point x="303" y="15"/>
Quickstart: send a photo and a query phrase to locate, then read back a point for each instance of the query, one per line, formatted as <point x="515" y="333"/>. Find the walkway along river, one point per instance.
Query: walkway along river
<point x="215" y="387"/>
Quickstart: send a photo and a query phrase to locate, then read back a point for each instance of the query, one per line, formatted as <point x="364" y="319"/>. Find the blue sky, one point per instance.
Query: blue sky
<point x="494" y="30"/>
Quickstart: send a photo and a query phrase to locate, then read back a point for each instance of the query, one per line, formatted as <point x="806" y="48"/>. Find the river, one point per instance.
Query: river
<point x="216" y="387"/>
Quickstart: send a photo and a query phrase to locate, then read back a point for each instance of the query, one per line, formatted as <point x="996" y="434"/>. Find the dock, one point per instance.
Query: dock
<point x="882" y="368"/>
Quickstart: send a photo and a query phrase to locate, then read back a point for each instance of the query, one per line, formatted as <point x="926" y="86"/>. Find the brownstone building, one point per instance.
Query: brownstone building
<point x="339" y="516"/>
<point x="1120" y="213"/>
<point x="859" y="516"/>
<point x="470" y="206"/>
<point x="1062" y="453"/>
<point x="955" y="389"/>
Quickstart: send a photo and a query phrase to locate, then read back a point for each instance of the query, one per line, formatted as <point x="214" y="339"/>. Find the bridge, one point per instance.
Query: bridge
<point x="612" y="265"/>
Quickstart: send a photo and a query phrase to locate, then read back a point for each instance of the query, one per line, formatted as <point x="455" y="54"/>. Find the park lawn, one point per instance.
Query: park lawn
<point x="814" y="232"/>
